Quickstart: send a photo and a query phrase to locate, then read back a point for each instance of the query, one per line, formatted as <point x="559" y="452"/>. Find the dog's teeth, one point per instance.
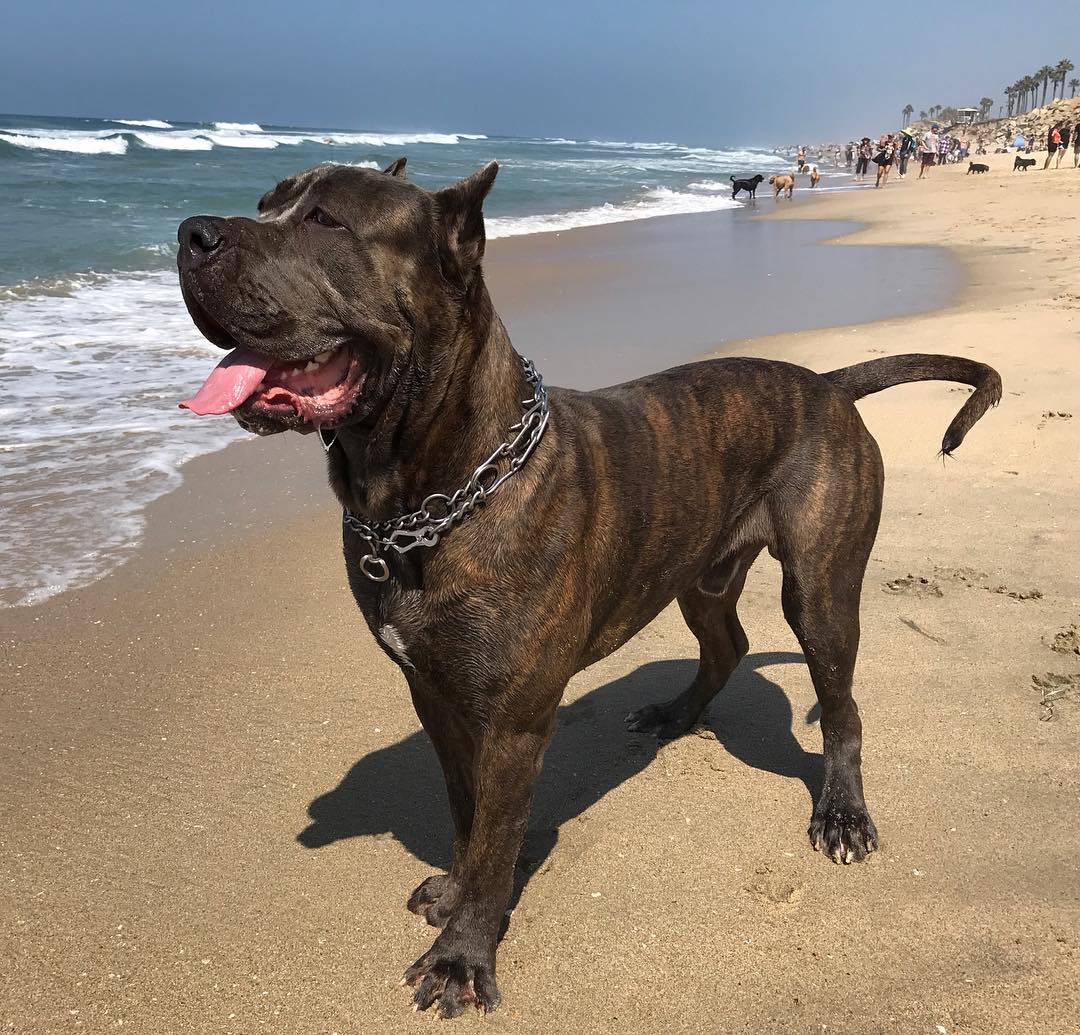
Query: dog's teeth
<point x="312" y="365"/>
<point x="322" y="357"/>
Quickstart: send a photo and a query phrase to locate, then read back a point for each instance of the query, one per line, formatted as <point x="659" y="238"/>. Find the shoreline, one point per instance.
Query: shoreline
<point x="603" y="304"/>
<point x="168" y="733"/>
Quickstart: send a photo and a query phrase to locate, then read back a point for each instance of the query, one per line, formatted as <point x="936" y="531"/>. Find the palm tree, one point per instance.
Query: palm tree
<point x="1044" y="74"/>
<point x="985" y="104"/>
<point x="1009" y="91"/>
<point x="1073" y="84"/>
<point x="924" y="116"/>
<point x="1061" y="70"/>
<point x="907" y="112"/>
<point x="1029" y="84"/>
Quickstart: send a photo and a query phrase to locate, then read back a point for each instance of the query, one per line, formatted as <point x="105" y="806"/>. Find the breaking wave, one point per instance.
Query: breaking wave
<point x="660" y="201"/>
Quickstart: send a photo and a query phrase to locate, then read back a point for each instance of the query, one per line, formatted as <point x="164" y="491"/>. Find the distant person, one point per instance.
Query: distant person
<point x="849" y="154"/>
<point x="944" y="144"/>
<point x="865" y="153"/>
<point x="884" y="159"/>
<point x="903" y="153"/>
<point x="801" y="157"/>
<point x="928" y="150"/>
<point x="1063" y="146"/>
<point x="1076" y="145"/>
<point x="1053" y="144"/>
<point x="836" y="158"/>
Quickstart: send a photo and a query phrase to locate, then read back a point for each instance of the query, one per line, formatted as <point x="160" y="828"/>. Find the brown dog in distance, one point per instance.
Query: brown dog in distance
<point x="784" y="182"/>
<point x="355" y="305"/>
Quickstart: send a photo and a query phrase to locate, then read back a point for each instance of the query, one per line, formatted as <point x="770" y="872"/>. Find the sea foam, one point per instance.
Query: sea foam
<point x="92" y="370"/>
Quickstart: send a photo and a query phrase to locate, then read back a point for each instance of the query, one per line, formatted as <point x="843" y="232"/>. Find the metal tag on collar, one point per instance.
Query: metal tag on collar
<point x="327" y="443"/>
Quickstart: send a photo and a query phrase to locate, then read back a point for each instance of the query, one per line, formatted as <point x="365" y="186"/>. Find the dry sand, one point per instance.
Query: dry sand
<point x="165" y="734"/>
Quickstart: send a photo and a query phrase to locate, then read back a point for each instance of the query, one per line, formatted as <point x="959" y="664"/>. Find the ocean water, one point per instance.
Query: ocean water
<point x="96" y="347"/>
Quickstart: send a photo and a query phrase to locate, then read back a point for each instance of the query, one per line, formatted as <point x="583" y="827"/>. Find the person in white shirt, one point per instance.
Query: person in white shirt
<point x="928" y="150"/>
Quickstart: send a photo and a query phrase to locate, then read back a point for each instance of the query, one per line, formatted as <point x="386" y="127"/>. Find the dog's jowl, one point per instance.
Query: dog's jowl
<point x="500" y="536"/>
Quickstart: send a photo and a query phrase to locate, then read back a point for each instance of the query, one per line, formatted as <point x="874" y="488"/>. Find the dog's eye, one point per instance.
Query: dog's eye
<point x="317" y="215"/>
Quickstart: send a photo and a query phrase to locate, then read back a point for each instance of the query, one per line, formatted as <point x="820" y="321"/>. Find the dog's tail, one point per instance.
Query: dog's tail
<point x="878" y="374"/>
<point x="732" y="178"/>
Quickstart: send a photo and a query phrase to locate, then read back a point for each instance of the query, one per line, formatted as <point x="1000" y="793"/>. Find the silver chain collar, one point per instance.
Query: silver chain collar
<point x="439" y="512"/>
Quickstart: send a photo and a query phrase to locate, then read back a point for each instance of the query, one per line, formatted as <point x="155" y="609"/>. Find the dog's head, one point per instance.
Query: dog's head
<point x="335" y="297"/>
<point x="756" y="179"/>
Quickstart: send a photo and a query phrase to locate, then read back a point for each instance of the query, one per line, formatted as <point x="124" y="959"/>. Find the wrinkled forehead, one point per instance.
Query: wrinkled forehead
<point x="356" y="197"/>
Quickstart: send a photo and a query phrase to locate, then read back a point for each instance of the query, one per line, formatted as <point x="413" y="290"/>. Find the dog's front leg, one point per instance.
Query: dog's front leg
<point x="435" y="898"/>
<point x="459" y="968"/>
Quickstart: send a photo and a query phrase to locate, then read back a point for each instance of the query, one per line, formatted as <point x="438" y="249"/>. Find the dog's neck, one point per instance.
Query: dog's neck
<point x="439" y="426"/>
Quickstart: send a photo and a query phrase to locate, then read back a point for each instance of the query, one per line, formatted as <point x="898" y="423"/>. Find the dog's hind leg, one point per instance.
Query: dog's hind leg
<point x="709" y="607"/>
<point x="824" y="538"/>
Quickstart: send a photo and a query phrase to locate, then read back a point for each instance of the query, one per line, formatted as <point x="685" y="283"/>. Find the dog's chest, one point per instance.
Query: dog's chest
<point x="390" y="637"/>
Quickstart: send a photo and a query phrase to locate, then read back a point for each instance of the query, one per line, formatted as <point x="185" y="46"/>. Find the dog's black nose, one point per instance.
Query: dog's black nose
<point x="200" y="237"/>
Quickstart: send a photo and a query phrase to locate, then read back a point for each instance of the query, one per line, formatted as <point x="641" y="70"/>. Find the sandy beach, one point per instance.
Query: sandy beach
<point x="217" y="796"/>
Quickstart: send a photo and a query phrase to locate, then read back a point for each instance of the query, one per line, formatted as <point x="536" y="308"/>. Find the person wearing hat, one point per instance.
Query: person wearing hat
<point x="928" y="150"/>
<point x="865" y="151"/>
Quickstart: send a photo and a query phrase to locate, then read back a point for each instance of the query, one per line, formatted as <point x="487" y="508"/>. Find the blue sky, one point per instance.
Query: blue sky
<point x="694" y="72"/>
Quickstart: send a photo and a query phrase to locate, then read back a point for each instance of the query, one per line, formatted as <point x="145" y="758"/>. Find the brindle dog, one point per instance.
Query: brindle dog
<point x="356" y="304"/>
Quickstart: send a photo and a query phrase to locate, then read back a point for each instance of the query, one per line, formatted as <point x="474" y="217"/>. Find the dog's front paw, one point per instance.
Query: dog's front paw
<point x="454" y="976"/>
<point x="844" y="833"/>
<point x="434" y="899"/>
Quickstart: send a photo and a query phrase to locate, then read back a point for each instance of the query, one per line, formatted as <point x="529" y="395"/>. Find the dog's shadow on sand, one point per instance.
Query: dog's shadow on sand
<point x="399" y="790"/>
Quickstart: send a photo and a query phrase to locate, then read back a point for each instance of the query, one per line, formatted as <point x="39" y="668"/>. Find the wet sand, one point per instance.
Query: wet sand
<point x="606" y="304"/>
<point x="217" y="797"/>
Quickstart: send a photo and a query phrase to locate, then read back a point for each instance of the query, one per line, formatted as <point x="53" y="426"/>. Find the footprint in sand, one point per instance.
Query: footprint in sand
<point x="1055" y="689"/>
<point x="1067" y="641"/>
<point x="981" y="580"/>
<point x="913" y="586"/>
<point x="1052" y="415"/>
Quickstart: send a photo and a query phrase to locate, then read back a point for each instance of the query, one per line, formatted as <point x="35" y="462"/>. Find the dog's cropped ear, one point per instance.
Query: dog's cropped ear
<point x="396" y="168"/>
<point x="461" y="223"/>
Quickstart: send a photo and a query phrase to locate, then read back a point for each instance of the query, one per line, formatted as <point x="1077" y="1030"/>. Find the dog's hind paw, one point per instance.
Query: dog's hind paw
<point x="845" y="834"/>
<point x="434" y="899"/>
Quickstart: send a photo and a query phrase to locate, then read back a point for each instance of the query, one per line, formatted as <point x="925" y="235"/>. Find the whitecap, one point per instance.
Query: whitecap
<point x="173" y="141"/>
<point x="238" y="127"/>
<point x="240" y="140"/>
<point x="148" y="123"/>
<point x="396" y="139"/>
<point x="83" y="145"/>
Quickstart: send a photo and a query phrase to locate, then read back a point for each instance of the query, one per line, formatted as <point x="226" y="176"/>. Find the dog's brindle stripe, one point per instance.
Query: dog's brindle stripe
<point x="663" y="489"/>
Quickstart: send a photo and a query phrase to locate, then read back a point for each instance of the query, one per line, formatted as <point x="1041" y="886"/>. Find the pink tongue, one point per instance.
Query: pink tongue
<point x="230" y="383"/>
